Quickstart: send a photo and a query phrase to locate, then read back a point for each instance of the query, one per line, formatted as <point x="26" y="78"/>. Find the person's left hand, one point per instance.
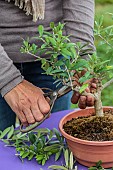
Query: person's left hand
<point x="84" y="101"/>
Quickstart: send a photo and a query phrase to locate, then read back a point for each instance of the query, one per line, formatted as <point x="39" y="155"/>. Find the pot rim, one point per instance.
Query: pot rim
<point x="74" y="139"/>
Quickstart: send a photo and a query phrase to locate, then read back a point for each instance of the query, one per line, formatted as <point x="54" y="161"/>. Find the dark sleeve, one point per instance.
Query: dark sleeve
<point x="10" y="76"/>
<point x="79" y="19"/>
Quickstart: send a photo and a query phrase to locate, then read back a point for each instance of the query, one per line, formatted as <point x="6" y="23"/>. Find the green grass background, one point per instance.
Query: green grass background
<point x="102" y="7"/>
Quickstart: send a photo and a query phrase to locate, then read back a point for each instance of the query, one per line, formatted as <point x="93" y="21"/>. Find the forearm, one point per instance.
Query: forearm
<point x="9" y="75"/>
<point x="79" y="19"/>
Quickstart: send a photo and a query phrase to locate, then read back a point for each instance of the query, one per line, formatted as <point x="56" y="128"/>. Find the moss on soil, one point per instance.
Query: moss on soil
<point x="91" y="128"/>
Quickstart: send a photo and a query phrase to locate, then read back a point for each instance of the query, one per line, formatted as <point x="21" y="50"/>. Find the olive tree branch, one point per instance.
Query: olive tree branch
<point x="34" y="55"/>
<point x="39" y="58"/>
<point x="105" y="40"/>
<point x="107" y="84"/>
<point x="69" y="77"/>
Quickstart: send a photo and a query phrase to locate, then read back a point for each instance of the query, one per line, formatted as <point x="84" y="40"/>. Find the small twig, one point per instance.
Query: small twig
<point x="107" y="84"/>
<point x="105" y="40"/>
<point x="34" y="55"/>
<point x="76" y="89"/>
<point x="69" y="77"/>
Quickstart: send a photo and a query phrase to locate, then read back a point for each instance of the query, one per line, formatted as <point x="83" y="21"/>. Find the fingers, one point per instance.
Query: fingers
<point x="93" y="87"/>
<point x="35" y="110"/>
<point x="38" y="115"/>
<point x="43" y="105"/>
<point x="82" y="102"/>
<point x="75" y="97"/>
<point x="28" y="102"/>
<point x="22" y="118"/>
<point x="29" y="116"/>
<point x="90" y="101"/>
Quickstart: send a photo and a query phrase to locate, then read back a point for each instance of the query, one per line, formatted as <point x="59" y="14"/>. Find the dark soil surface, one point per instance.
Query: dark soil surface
<point x="91" y="128"/>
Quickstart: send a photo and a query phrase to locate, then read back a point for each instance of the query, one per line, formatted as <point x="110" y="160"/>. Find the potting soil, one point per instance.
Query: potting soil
<point x="91" y="128"/>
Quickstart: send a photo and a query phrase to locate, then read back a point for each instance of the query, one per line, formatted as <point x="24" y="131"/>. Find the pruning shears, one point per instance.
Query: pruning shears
<point x="53" y="95"/>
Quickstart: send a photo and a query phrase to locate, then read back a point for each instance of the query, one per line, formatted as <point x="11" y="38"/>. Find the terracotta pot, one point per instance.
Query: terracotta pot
<point x="88" y="152"/>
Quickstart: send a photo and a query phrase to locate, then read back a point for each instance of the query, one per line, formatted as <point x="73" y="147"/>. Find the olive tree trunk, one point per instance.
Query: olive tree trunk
<point x="98" y="104"/>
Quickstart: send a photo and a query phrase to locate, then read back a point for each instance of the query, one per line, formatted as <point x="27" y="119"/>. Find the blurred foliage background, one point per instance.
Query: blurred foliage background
<point x="103" y="7"/>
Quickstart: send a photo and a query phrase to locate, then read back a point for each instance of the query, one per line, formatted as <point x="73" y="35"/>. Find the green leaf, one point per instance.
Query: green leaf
<point x="57" y="167"/>
<point x="57" y="155"/>
<point x="26" y="43"/>
<point x="5" y="132"/>
<point x="6" y="141"/>
<point x="22" y="153"/>
<point x="71" y="161"/>
<point x="73" y="52"/>
<point x="32" y="137"/>
<point x="52" y="40"/>
<point x="30" y="156"/>
<point x="101" y="20"/>
<point x="65" y="52"/>
<point x="99" y="163"/>
<point x="51" y="134"/>
<point x="25" y="155"/>
<point x="49" y="70"/>
<point x="52" y="25"/>
<point x="67" y="63"/>
<point x="92" y="168"/>
<point x="40" y="30"/>
<point x="66" y="157"/>
<point x="34" y="48"/>
<point x="39" y="157"/>
<point x="87" y="74"/>
<point x="83" y="87"/>
<point x="43" y="61"/>
<point x="45" y="66"/>
<point x="57" y="71"/>
<point x="109" y="67"/>
<point x="49" y="148"/>
<point x="43" y="161"/>
<point x="59" y="63"/>
<point x="10" y="132"/>
<point x="80" y="63"/>
<point x="19" y="134"/>
<point x="85" y="77"/>
<point x="70" y="45"/>
<point x="57" y="133"/>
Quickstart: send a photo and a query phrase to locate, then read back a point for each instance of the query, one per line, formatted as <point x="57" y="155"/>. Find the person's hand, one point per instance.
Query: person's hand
<point x="84" y="101"/>
<point x="28" y="102"/>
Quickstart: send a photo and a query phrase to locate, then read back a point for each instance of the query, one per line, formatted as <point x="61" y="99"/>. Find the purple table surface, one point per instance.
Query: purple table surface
<point x="8" y="160"/>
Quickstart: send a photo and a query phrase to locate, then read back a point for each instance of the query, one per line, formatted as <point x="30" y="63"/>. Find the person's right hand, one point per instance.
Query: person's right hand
<point x="28" y="102"/>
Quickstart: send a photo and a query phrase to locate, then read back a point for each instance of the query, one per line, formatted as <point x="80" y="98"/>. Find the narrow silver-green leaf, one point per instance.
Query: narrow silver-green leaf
<point x="71" y="161"/>
<point x="25" y="155"/>
<point x="66" y="157"/>
<point x="83" y="87"/>
<point x="57" y="155"/>
<point x="5" y="141"/>
<point x="57" y="133"/>
<point x="40" y="29"/>
<point x="30" y="156"/>
<point x="10" y="132"/>
<point x="5" y="132"/>
<point x="49" y="148"/>
<point x="57" y="167"/>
